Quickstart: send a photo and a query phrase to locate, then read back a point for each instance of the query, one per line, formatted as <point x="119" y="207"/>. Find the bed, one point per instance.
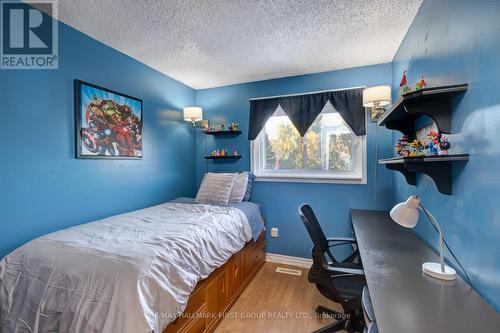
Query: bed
<point x="175" y="267"/>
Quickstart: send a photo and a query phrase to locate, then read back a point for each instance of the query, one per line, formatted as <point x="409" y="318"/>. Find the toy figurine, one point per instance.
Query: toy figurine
<point x="433" y="143"/>
<point x="217" y="128"/>
<point x="420" y="84"/>
<point x="233" y="127"/>
<point x="418" y="148"/>
<point x="401" y="147"/>
<point x="404" y="84"/>
<point x="444" y="145"/>
<point x="217" y="152"/>
<point x="222" y="152"/>
<point x="235" y="153"/>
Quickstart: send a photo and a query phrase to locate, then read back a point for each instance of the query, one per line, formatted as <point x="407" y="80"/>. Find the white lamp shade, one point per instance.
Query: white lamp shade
<point x="406" y="213"/>
<point x="376" y="96"/>
<point x="192" y="113"/>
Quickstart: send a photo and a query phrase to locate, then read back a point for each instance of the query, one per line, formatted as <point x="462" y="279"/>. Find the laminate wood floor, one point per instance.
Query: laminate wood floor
<point x="276" y="302"/>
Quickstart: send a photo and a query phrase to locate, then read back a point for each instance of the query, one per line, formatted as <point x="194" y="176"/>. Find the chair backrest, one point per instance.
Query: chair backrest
<point x="313" y="227"/>
<point x="327" y="282"/>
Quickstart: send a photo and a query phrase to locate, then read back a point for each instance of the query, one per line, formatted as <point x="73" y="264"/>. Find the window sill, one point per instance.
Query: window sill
<point x="314" y="180"/>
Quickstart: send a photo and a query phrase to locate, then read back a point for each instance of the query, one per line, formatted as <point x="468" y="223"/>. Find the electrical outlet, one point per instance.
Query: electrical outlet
<point x="274" y="232"/>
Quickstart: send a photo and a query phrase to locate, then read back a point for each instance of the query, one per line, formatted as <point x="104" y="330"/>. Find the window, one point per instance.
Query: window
<point x="328" y="152"/>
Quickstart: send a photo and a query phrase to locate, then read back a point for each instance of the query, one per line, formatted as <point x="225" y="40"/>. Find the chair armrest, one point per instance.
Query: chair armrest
<point x="354" y="271"/>
<point x="341" y="242"/>
<point x="337" y="241"/>
<point x="341" y="239"/>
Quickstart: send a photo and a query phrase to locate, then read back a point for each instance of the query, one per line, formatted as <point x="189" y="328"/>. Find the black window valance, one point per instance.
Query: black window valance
<point x="304" y="109"/>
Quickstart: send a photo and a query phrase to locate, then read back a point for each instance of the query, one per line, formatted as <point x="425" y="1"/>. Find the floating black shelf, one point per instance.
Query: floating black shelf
<point x="222" y="132"/>
<point x="434" y="102"/>
<point x="437" y="167"/>
<point x="227" y="157"/>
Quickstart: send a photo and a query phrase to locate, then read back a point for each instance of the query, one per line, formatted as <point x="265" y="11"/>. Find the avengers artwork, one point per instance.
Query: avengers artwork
<point x="108" y="124"/>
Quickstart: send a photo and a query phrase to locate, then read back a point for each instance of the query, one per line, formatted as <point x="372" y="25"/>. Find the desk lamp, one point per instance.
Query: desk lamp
<point x="406" y="214"/>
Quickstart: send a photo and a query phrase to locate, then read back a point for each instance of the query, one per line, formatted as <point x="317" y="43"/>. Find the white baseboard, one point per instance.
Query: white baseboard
<point x="288" y="260"/>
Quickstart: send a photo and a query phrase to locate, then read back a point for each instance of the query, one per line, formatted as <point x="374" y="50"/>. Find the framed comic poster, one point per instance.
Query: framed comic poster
<point x="108" y="123"/>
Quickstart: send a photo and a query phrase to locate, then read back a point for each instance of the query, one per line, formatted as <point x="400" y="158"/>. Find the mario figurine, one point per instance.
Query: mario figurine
<point x="433" y="144"/>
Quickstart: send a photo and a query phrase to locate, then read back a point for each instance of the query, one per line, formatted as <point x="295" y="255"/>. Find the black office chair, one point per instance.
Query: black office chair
<point x="339" y="281"/>
<point x="369" y="313"/>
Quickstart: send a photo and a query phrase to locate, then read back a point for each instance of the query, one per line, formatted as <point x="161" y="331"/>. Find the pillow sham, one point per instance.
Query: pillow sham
<point x="251" y="178"/>
<point x="216" y="188"/>
<point x="239" y="187"/>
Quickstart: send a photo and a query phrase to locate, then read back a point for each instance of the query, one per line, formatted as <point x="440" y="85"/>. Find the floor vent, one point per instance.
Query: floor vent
<point x="289" y="271"/>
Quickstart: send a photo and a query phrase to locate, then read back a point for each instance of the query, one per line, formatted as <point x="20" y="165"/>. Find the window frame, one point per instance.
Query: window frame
<point x="256" y="162"/>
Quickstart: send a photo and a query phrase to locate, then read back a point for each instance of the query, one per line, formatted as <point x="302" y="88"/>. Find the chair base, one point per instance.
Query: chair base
<point x="321" y="310"/>
<point x="351" y="322"/>
<point x="333" y="327"/>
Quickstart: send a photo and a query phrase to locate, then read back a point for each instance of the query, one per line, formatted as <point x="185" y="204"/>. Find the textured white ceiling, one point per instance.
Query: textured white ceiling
<point x="213" y="43"/>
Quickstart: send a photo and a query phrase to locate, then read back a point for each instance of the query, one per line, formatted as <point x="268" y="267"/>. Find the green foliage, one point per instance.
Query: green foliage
<point x="340" y="152"/>
<point x="290" y="151"/>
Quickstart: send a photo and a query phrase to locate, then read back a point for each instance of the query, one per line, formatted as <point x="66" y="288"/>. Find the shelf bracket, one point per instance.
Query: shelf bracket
<point x="438" y="109"/>
<point x="410" y="176"/>
<point x="441" y="175"/>
<point x="405" y="127"/>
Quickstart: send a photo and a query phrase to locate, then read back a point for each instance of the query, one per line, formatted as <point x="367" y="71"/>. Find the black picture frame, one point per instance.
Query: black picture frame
<point x="101" y="142"/>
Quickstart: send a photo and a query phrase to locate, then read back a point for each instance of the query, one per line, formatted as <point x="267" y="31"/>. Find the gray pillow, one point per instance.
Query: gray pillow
<point x="239" y="187"/>
<point x="216" y="188"/>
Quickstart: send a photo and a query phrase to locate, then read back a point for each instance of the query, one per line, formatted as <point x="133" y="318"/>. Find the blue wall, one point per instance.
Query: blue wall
<point x="43" y="188"/>
<point x="281" y="200"/>
<point x="454" y="42"/>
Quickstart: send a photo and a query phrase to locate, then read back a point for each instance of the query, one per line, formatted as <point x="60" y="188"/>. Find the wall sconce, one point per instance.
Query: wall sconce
<point x="377" y="98"/>
<point x="194" y="114"/>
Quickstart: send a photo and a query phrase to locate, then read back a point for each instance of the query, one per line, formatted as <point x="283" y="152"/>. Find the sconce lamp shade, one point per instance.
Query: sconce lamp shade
<point x="376" y="96"/>
<point x="406" y="213"/>
<point x="193" y="113"/>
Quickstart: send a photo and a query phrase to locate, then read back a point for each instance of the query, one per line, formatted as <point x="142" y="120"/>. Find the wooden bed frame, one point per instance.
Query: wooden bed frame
<point x="215" y="295"/>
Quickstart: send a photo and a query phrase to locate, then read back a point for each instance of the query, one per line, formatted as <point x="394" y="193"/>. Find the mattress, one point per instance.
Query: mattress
<point x="252" y="211"/>
<point x="128" y="273"/>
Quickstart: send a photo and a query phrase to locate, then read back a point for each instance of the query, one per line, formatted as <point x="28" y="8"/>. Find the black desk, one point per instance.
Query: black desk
<point x="404" y="300"/>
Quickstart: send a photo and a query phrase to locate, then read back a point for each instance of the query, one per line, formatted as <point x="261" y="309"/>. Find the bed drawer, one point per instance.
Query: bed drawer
<point x="217" y="297"/>
<point x="214" y="295"/>
<point x="234" y="274"/>
<point x="254" y="259"/>
<point x="254" y="246"/>
<point x="197" y="325"/>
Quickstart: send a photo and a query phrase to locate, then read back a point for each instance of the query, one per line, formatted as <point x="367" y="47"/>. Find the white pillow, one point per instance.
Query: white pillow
<point x="239" y="187"/>
<point x="216" y="188"/>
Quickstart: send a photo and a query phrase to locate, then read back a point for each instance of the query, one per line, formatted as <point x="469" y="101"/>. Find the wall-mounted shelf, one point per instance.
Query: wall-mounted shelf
<point x="222" y="132"/>
<point x="434" y="102"/>
<point x="437" y="167"/>
<point x="227" y="157"/>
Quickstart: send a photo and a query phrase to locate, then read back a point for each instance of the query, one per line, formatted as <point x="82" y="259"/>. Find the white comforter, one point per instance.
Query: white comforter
<point x="128" y="273"/>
